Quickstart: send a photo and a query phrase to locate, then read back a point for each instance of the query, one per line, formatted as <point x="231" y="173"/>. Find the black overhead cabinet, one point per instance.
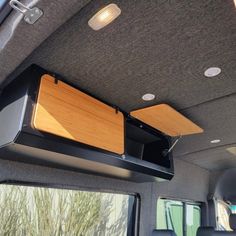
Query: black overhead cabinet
<point x="143" y="155"/>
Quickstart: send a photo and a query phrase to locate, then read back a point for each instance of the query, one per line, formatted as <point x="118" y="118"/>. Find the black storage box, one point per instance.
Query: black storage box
<point x="144" y="159"/>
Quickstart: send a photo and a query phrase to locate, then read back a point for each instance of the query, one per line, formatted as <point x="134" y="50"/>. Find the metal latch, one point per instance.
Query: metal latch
<point x="31" y="15"/>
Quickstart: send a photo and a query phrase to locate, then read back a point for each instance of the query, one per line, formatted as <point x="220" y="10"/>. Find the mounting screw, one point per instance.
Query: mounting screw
<point x="27" y="19"/>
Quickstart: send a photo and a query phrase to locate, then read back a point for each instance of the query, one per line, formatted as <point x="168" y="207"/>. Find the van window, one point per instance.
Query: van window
<point x="223" y="212"/>
<point x="5" y="10"/>
<point x="233" y="209"/>
<point x="2" y="3"/>
<point x="182" y="217"/>
<point x="48" y="211"/>
<point x="193" y="218"/>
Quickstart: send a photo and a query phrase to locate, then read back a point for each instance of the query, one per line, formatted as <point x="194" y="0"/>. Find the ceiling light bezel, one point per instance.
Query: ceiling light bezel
<point x="215" y="141"/>
<point x="104" y="17"/>
<point x="147" y="97"/>
<point x="212" y="72"/>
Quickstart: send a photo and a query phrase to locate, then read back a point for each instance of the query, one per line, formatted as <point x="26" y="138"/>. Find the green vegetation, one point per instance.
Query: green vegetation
<point x="29" y="211"/>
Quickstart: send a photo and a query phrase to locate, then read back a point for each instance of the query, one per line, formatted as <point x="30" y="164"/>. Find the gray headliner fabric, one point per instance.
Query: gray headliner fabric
<point x="162" y="47"/>
<point x="219" y="121"/>
<point x="18" y="39"/>
<point x="214" y="159"/>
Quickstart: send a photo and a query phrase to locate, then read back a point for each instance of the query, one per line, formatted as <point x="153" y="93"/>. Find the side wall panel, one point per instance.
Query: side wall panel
<point x="190" y="182"/>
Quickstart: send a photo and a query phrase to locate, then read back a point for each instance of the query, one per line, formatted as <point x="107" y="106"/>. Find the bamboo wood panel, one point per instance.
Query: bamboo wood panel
<point x="166" y="119"/>
<point x="67" y="112"/>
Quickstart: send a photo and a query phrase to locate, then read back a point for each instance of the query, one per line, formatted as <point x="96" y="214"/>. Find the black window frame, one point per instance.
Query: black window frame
<point x="134" y="211"/>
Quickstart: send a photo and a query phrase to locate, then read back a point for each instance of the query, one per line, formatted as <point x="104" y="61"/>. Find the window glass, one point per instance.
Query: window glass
<point x="27" y="211"/>
<point x="2" y="3"/>
<point x="5" y="10"/>
<point x="175" y="216"/>
<point x="233" y="209"/>
<point x="223" y="212"/>
<point x="170" y="215"/>
<point x="193" y="219"/>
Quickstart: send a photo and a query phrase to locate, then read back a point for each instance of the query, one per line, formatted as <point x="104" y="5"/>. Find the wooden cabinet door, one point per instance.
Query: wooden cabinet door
<point x="166" y="119"/>
<point x="67" y="112"/>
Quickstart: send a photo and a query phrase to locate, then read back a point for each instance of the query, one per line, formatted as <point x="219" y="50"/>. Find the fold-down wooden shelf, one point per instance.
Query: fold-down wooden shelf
<point x="166" y="119"/>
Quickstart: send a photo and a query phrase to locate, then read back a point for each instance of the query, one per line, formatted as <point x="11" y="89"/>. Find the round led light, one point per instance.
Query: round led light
<point x="212" y="72"/>
<point x="148" y="97"/>
<point x="215" y="141"/>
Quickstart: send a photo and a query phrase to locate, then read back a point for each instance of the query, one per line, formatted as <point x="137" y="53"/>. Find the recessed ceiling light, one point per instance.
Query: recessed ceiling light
<point x="212" y="71"/>
<point x="104" y="17"/>
<point x="215" y="141"/>
<point x="148" y="97"/>
<point x="232" y="150"/>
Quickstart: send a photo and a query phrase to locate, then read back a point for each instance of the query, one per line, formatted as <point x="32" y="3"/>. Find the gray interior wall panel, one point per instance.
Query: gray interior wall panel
<point x="214" y="178"/>
<point x="190" y="182"/>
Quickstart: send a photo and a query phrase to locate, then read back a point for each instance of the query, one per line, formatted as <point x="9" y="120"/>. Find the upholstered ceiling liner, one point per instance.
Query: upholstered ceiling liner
<point x="160" y="47"/>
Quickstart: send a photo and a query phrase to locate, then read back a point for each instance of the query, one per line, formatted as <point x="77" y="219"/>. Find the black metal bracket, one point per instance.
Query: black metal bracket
<point x="166" y="152"/>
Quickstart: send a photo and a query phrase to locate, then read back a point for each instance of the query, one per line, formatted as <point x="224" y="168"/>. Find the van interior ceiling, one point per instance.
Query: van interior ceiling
<point x="118" y="117"/>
